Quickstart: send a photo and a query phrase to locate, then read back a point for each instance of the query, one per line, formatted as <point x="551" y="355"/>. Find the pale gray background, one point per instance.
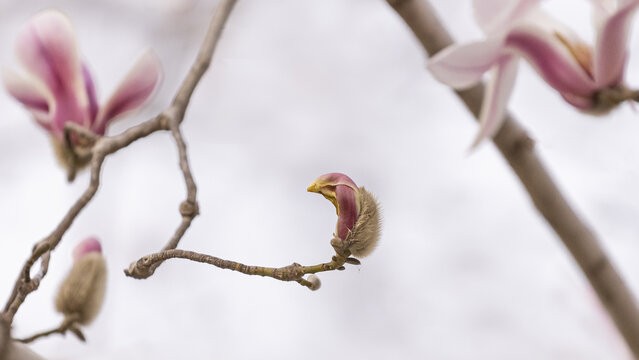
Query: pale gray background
<point x="466" y="268"/>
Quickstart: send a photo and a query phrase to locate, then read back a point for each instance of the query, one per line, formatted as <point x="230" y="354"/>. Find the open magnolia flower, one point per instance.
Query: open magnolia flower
<point x="358" y="220"/>
<point x="58" y="88"/>
<point x="589" y="78"/>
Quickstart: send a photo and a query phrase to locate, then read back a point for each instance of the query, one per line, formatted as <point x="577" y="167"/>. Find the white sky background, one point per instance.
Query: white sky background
<point x="466" y="268"/>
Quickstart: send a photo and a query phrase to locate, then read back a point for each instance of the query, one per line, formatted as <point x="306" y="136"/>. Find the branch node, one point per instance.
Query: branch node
<point x="140" y="269"/>
<point x="189" y="209"/>
<point x="41" y="247"/>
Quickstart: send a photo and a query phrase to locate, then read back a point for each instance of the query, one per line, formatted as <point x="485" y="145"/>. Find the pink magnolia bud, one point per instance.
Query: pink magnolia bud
<point x="358" y="218"/>
<point x="82" y="292"/>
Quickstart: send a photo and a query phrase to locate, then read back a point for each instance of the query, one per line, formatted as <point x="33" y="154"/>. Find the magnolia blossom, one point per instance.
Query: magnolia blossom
<point x="358" y="220"/>
<point x="57" y="86"/>
<point x="589" y="78"/>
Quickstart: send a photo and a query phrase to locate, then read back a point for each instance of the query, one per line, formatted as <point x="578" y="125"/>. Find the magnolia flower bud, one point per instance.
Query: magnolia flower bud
<point x="82" y="292"/>
<point x="315" y="282"/>
<point x="358" y="219"/>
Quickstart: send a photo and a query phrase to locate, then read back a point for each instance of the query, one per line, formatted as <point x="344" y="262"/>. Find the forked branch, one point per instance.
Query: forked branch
<point x="169" y="119"/>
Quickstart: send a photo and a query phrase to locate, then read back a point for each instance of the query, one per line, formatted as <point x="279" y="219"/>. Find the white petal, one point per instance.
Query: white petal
<point x="136" y="87"/>
<point x="32" y="94"/>
<point x="461" y="66"/>
<point x="496" y="98"/>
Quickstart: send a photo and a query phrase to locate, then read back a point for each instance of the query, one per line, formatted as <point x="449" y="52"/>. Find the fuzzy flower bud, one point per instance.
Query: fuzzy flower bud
<point x="82" y="292"/>
<point x="315" y="282"/>
<point x="358" y="218"/>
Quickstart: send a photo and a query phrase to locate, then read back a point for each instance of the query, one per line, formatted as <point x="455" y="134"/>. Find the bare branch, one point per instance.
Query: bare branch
<point x="68" y="324"/>
<point x="189" y="208"/>
<point x="518" y="149"/>
<point x="204" y="56"/>
<point x="145" y="267"/>
<point x="103" y="146"/>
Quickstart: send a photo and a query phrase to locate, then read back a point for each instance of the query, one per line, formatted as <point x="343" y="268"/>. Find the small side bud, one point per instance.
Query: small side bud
<point x="315" y="282"/>
<point x="363" y="238"/>
<point x="353" y="261"/>
<point x="82" y="292"/>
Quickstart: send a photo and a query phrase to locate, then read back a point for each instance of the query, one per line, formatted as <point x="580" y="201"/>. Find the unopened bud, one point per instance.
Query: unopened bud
<point x="315" y="282"/>
<point x="82" y="292"/>
<point x="363" y="238"/>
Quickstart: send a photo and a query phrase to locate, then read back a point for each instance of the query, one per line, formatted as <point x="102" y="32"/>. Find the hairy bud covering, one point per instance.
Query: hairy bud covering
<point x="82" y="292"/>
<point x="364" y="235"/>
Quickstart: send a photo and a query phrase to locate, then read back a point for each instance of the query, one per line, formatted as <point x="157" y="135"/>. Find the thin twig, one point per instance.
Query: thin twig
<point x="144" y="267"/>
<point x="68" y="324"/>
<point x="103" y="146"/>
<point x="189" y="208"/>
<point x="204" y="56"/>
<point x="518" y="149"/>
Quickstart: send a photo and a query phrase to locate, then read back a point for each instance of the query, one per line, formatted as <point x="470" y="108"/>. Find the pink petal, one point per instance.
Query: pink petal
<point x="495" y="16"/>
<point x="348" y="209"/>
<point x="601" y="11"/>
<point x="33" y="95"/>
<point x="67" y="109"/>
<point x="496" y="98"/>
<point x="580" y="102"/>
<point x="334" y="179"/>
<point x="46" y="46"/>
<point x="87" y="246"/>
<point x="461" y="66"/>
<point x="133" y="91"/>
<point x="89" y="87"/>
<point x="552" y="60"/>
<point x="611" y="46"/>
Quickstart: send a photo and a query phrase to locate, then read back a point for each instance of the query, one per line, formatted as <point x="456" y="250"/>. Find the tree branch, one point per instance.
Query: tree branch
<point x="68" y="324"/>
<point x="518" y="149"/>
<point x="144" y="267"/>
<point x="169" y="119"/>
<point x="204" y="56"/>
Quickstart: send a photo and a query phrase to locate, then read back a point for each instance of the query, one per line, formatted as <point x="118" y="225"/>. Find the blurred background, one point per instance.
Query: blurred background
<point x="466" y="267"/>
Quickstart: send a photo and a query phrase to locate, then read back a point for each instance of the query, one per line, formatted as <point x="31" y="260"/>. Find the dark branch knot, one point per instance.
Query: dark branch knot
<point x="140" y="269"/>
<point x="189" y="209"/>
